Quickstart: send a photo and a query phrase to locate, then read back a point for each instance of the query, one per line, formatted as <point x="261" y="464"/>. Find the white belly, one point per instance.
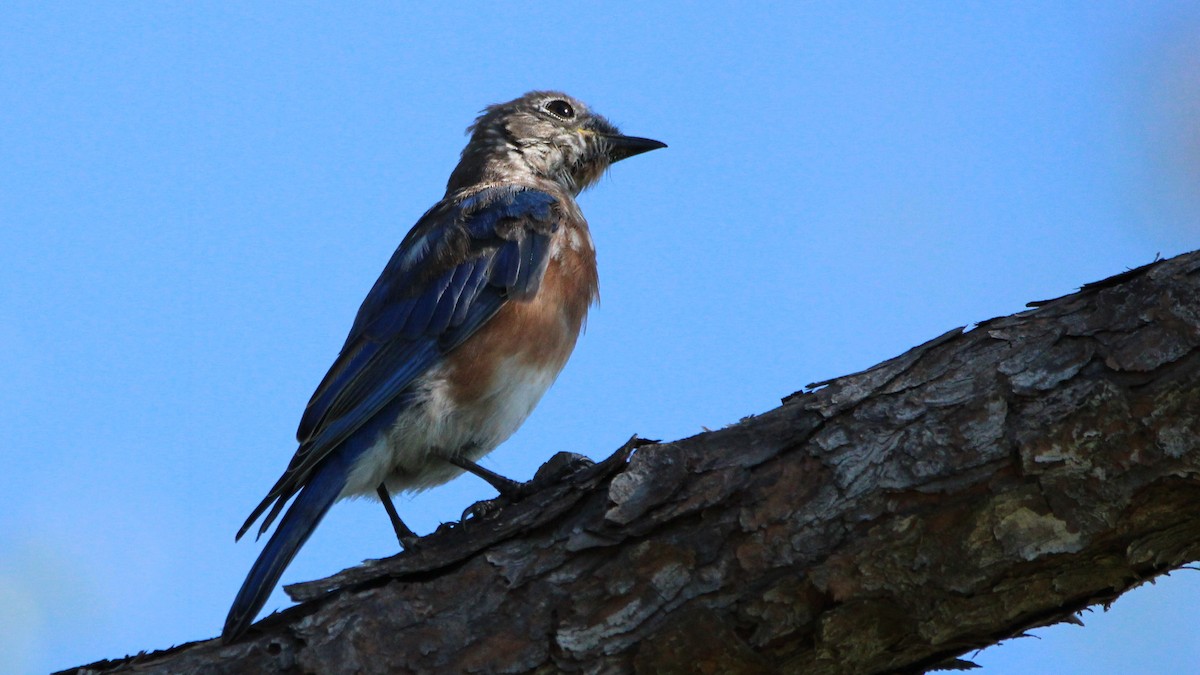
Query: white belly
<point x="412" y="455"/>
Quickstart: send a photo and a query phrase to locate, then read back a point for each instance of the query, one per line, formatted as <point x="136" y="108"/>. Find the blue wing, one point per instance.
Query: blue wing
<point x="453" y="272"/>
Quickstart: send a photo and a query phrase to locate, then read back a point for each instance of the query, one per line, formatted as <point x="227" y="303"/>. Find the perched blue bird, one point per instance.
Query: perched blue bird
<point x="468" y="325"/>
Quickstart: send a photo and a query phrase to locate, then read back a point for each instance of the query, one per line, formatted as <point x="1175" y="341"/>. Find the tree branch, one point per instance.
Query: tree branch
<point x="981" y="484"/>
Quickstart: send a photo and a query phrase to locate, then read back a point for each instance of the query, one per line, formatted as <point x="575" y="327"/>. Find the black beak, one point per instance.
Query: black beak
<point x="623" y="147"/>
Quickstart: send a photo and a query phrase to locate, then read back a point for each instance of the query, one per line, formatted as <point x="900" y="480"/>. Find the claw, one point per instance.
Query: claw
<point x="483" y="509"/>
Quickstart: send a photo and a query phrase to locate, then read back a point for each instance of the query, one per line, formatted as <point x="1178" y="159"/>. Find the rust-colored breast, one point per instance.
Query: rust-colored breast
<point x="538" y="333"/>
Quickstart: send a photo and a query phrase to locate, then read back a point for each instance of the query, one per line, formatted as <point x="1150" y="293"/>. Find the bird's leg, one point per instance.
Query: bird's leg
<point x="405" y="536"/>
<point x="507" y="487"/>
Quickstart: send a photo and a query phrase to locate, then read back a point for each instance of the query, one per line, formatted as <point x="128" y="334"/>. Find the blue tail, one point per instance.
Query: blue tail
<point x="311" y="505"/>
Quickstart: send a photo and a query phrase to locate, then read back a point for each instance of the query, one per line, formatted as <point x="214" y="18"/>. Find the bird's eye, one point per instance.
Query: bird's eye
<point x="560" y="108"/>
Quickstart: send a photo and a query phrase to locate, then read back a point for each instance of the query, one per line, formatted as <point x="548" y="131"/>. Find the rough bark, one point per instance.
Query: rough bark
<point x="988" y="481"/>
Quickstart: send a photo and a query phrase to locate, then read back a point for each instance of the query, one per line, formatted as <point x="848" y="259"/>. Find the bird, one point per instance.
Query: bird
<point x="468" y="325"/>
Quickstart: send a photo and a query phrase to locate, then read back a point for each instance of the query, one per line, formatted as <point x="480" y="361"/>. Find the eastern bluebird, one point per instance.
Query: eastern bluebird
<point x="468" y="325"/>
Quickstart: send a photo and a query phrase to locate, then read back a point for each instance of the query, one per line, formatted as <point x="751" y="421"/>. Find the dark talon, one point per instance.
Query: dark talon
<point x="483" y="509"/>
<point x="558" y="468"/>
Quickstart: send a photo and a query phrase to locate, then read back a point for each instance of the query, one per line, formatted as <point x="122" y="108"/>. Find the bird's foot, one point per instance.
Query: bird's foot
<point x="409" y="544"/>
<point x="482" y="509"/>
<point x="559" y="467"/>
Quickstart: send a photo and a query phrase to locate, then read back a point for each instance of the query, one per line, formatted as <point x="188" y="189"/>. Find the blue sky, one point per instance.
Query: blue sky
<point x="194" y="198"/>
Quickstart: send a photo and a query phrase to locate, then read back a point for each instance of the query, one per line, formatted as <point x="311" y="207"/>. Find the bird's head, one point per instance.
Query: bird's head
<point x="544" y="134"/>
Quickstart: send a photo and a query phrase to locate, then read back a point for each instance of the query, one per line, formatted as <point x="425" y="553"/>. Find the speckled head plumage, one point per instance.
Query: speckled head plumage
<point x="544" y="135"/>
